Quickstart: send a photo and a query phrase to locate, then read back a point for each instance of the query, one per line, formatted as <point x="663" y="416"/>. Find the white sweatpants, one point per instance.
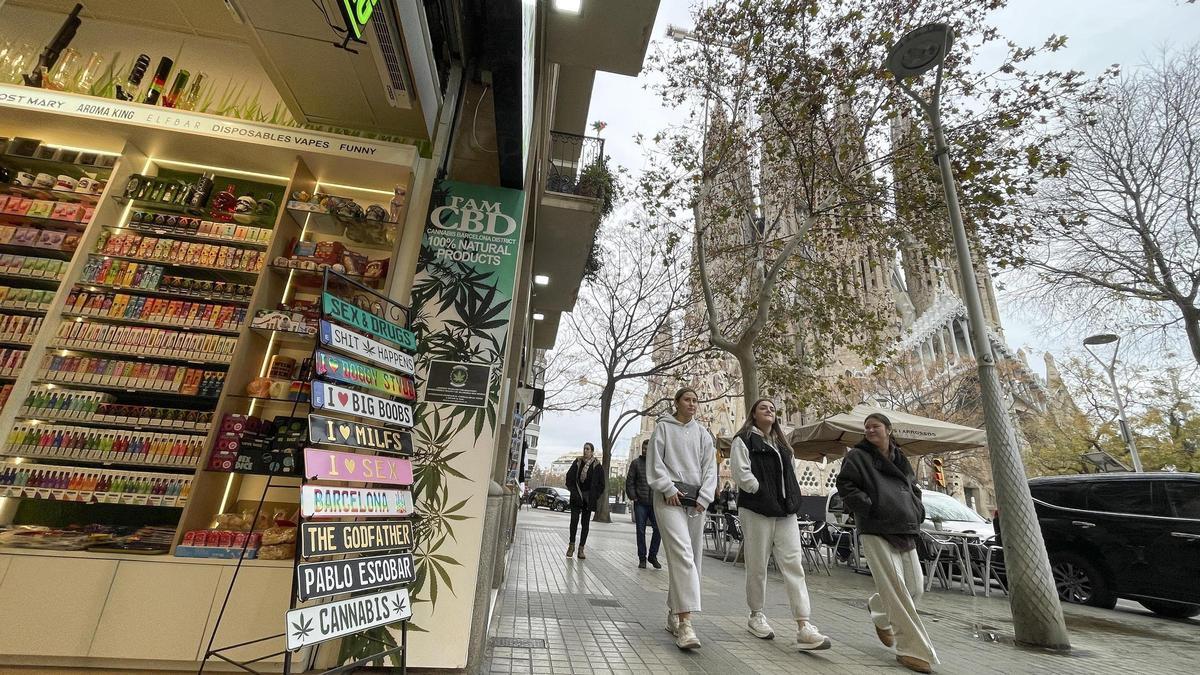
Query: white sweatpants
<point x="900" y="584"/>
<point x="762" y="536"/>
<point x="683" y="540"/>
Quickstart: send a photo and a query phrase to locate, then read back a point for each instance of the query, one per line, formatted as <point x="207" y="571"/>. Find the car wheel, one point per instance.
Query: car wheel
<point x="1171" y="610"/>
<point x="560" y="507"/>
<point x="1079" y="581"/>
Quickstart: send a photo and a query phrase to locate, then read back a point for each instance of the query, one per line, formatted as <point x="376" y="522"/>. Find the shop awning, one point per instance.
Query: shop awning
<point x="917" y="435"/>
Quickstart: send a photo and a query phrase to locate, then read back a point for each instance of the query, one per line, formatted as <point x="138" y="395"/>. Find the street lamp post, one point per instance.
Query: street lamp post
<point x="1111" y="369"/>
<point x="1037" y="614"/>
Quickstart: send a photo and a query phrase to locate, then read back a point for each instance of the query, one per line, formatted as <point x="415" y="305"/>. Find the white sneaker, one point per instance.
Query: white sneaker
<point x="759" y="627"/>
<point x="809" y="638"/>
<point x="685" y="637"/>
<point x="672" y="622"/>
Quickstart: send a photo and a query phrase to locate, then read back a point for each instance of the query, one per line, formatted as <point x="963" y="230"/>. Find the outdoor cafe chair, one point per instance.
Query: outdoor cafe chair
<point x="810" y="543"/>
<point x="940" y="556"/>
<point x="988" y="556"/>
<point x="733" y="532"/>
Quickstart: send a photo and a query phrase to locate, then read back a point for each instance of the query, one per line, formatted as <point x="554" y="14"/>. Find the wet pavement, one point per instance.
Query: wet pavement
<point x="604" y="615"/>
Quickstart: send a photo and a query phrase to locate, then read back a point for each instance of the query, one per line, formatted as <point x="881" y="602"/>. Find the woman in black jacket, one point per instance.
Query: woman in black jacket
<point x="585" y="480"/>
<point x="768" y="499"/>
<point x="878" y="486"/>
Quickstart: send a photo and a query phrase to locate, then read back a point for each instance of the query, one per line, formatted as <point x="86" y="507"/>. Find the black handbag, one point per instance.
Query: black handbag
<point x="689" y="494"/>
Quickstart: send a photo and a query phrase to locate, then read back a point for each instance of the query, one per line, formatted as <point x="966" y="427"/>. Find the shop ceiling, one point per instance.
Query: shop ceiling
<point x="319" y="83"/>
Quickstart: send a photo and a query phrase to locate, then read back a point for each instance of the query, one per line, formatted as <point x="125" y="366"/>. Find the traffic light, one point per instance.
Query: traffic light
<point x="939" y="476"/>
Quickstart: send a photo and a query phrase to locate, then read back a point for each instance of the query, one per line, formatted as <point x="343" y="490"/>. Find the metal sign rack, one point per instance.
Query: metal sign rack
<point x="394" y="311"/>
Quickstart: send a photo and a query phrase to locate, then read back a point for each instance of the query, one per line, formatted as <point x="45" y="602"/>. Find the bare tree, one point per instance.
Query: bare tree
<point x="1120" y="236"/>
<point x="629" y="325"/>
<point x="787" y="169"/>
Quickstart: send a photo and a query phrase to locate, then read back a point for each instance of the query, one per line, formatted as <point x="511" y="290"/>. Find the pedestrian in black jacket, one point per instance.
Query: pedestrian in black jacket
<point x="585" y="480"/>
<point x="637" y="489"/>
<point x="878" y="486"/>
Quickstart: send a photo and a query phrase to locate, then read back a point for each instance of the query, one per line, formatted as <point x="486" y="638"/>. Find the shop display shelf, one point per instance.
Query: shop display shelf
<point x="7" y="376"/>
<point x="54" y="494"/>
<point x="49" y="194"/>
<point x="33" y="416"/>
<point x="180" y="295"/>
<point x="27" y="311"/>
<point x="57" y="166"/>
<point x="150" y="205"/>
<point x="245" y="274"/>
<point x="317" y="275"/>
<point x="15" y="343"/>
<point x="37" y="251"/>
<point x="170" y="233"/>
<point x="58" y="223"/>
<point x="233" y="332"/>
<point x="323" y="222"/>
<point x="140" y="356"/>
<point x="267" y="400"/>
<point x="287" y="337"/>
<point x="159" y="395"/>
<point x="115" y="459"/>
<point x="44" y="282"/>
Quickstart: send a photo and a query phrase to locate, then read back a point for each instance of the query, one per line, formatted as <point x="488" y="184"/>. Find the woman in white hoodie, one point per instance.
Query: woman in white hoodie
<point x="681" y="467"/>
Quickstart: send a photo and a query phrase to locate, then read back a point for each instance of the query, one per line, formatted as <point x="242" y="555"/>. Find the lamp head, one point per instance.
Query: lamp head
<point x="920" y="50"/>
<point x="1101" y="339"/>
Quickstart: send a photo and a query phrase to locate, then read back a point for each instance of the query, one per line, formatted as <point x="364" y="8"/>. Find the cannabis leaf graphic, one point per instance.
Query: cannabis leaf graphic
<point x="303" y="628"/>
<point x="398" y="605"/>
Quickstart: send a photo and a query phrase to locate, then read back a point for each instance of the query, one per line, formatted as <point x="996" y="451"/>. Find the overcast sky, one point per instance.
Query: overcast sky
<point x="1100" y="32"/>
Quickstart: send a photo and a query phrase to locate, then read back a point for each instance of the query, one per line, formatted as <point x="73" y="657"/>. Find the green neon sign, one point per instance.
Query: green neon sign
<point x="357" y="13"/>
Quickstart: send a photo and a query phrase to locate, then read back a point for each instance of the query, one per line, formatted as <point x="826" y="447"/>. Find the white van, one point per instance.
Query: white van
<point x="942" y="512"/>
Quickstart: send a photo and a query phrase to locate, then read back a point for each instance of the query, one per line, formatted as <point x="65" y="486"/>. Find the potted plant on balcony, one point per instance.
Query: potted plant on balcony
<point x="597" y="180"/>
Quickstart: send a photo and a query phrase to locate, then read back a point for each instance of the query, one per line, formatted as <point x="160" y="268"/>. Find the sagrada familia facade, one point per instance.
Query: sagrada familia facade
<point x="931" y="347"/>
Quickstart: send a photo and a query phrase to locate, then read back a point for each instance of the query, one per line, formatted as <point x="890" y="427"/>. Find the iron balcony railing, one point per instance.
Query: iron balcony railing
<point x="576" y="163"/>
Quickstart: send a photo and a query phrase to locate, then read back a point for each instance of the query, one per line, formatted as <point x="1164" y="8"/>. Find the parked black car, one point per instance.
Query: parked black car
<point x="553" y="498"/>
<point x="1124" y="535"/>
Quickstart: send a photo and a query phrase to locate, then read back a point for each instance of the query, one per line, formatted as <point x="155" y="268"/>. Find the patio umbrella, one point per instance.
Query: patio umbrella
<point x="917" y="435"/>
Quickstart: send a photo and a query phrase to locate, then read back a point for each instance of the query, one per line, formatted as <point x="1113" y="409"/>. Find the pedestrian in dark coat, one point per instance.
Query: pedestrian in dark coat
<point x="586" y="482"/>
<point x="878" y="486"/>
<point x="637" y="489"/>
